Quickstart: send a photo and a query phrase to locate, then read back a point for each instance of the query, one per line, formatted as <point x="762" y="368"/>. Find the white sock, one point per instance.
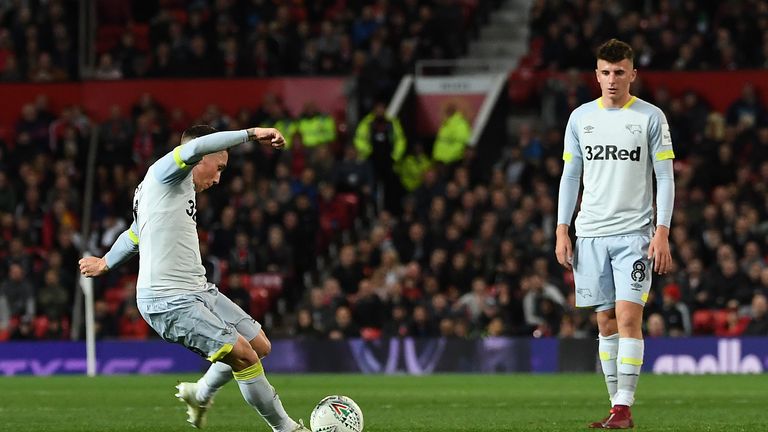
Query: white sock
<point x="629" y="362"/>
<point x="608" y="349"/>
<point x="263" y="398"/>
<point x="215" y="377"/>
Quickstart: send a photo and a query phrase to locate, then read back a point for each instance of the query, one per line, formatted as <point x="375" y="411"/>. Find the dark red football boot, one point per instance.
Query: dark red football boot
<point x="620" y="418"/>
<point x="599" y="424"/>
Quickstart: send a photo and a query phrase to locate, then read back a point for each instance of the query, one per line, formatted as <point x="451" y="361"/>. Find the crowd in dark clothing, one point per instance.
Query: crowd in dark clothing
<point x="38" y="41"/>
<point x="296" y="238"/>
<point x="665" y="34"/>
<point x="380" y="40"/>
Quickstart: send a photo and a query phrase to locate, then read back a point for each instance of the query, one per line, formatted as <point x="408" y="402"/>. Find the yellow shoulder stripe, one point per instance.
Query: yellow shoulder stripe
<point x="177" y="158"/>
<point x="132" y="235"/>
<point x="664" y="155"/>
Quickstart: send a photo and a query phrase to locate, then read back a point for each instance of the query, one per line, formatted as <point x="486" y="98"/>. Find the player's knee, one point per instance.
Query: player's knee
<point x="262" y="346"/>
<point x="606" y="322"/>
<point x="241" y="356"/>
<point x="629" y="322"/>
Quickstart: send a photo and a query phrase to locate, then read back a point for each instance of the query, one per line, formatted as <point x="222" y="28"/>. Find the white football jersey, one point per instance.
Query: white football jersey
<point x="617" y="147"/>
<point x="169" y="252"/>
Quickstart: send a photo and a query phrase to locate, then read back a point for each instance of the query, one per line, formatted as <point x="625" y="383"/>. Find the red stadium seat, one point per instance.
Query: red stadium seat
<point x="703" y="322"/>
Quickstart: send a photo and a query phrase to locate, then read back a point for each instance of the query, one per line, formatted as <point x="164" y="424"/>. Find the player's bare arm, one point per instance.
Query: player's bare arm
<point x="659" y="252"/>
<point x="124" y="248"/>
<point x="267" y="136"/>
<point x="563" y="247"/>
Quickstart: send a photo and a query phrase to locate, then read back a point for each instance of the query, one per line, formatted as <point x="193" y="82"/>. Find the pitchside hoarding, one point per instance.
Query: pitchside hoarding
<point x="394" y="356"/>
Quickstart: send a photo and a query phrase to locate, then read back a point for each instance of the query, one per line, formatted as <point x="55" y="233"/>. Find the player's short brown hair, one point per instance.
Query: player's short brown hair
<point x="614" y="51"/>
<point x="196" y="131"/>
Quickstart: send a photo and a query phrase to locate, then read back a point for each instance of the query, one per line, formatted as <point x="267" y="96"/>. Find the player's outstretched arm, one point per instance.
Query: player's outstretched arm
<point x="124" y="248"/>
<point x="175" y="164"/>
<point x="195" y="149"/>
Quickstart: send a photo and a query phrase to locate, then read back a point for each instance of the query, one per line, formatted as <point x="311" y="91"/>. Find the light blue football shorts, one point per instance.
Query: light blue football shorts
<point x="206" y="322"/>
<point x="607" y="269"/>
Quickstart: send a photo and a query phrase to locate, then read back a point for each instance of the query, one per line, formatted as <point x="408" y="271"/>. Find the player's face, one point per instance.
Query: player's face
<point x="208" y="171"/>
<point x="615" y="78"/>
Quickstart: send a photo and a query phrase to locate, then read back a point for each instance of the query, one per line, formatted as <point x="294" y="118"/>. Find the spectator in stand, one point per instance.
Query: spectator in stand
<point x="655" y="327"/>
<point x="758" y="325"/>
<point x="677" y="319"/>
<point x="380" y="138"/>
<point x="748" y="110"/>
<point x="106" y="69"/>
<point x="397" y="324"/>
<point x="18" y="294"/>
<point x="343" y="327"/>
<point x="53" y="299"/>
<point x="305" y="327"/>
<point x="348" y="272"/>
<point x="452" y="137"/>
<point x="413" y="166"/>
<point x="733" y="325"/>
<point x="316" y="128"/>
<point x="369" y="310"/>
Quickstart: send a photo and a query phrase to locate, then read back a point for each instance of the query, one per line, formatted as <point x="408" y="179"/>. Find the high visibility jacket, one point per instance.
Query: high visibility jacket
<point x="364" y="142"/>
<point x="452" y="139"/>
<point x="320" y="129"/>
<point x="411" y="170"/>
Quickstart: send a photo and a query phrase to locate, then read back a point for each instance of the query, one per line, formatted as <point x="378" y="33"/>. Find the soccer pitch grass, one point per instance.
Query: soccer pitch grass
<point x="514" y="402"/>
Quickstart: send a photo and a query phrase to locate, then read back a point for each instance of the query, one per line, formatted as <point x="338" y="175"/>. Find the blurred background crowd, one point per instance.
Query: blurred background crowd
<point x="327" y="238"/>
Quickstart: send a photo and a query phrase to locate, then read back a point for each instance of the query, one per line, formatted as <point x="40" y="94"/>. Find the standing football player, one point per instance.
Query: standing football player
<point x="618" y="142"/>
<point x="172" y="293"/>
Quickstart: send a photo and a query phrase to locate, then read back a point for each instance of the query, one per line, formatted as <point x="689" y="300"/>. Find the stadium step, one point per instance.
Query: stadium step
<point x="498" y="31"/>
<point x="511" y="50"/>
<point x="505" y="37"/>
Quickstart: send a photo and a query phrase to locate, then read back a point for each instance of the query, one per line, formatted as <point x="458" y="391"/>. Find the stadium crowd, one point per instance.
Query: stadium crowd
<point x="235" y="38"/>
<point x="300" y="237"/>
<point x="461" y="258"/>
<point x="665" y="35"/>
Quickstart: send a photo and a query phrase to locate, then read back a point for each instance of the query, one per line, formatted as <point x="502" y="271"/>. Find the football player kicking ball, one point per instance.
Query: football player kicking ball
<point x="619" y="142"/>
<point x="172" y="293"/>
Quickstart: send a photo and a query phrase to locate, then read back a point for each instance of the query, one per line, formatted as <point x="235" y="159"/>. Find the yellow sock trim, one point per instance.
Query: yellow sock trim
<point x="250" y="372"/>
<point x="218" y="355"/>
<point x="632" y="361"/>
<point x="605" y="356"/>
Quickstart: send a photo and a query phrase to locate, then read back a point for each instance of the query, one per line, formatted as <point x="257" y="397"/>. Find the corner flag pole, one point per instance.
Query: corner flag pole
<point x="90" y="328"/>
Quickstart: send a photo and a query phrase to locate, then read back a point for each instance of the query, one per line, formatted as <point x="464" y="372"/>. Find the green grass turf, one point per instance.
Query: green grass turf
<point x="390" y="403"/>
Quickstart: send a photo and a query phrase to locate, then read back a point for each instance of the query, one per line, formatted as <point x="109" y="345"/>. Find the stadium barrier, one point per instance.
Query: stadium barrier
<point x="191" y="95"/>
<point x="395" y="356"/>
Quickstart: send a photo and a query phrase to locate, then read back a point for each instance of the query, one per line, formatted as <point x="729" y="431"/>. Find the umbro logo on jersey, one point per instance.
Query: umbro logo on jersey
<point x="634" y="129"/>
<point x="588" y="129"/>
